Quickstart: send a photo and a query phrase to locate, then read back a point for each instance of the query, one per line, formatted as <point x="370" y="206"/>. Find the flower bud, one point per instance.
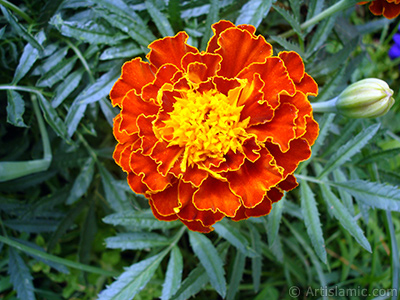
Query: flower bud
<point x="367" y="98"/>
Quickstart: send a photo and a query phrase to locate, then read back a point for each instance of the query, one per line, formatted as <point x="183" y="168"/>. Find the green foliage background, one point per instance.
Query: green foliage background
<point x="70" y="224"/>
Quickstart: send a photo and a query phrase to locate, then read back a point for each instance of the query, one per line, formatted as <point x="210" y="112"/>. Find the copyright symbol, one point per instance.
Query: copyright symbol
<point x="294" y="291"/>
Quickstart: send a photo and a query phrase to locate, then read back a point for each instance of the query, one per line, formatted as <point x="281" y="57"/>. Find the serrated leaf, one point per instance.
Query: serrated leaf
<point x="121" y="51"/>
<point x="379" y="156"/>
<point x="59" y="72"/>
<point x="349" y="149"/>
<point x="293" y="22"/>
<point x="20" y="276"/>
<point x="212" y="17"/>
<point x="234" y="237"/>
<point x="311" y="220"/>
<point x="82" y="182"/>
<point x="136" y="241"/>
<point x="173" y="276"/>
<point x="51" y="62"/>
<point x="287" y="45"/>
<point x="138" y="220"/>
<point x="52" y="118"/>
<point x="159" y="19"/>
<point x="91" y="32"/>
<point x="253" y="12"/>
<point x="19" y="29"/>
<point x="74" y="117"/>
<point x="132" y="280"/>
<point x="65" y="88"/>
<point x="345" y="218"/>
<point x="192" y="284"/>
<point x="28" y="58"/>
<point x="321" y="35"/>
<point x="212" y="263"/>
<point x="373" y="194"/>
<point x="15" y="109"/>
<point x="115" y="197"/>
<point x="331" y="86"/>
<point x="346" y="198"/>
<point x="236" y="275"/>
<point x="274" y="220"/>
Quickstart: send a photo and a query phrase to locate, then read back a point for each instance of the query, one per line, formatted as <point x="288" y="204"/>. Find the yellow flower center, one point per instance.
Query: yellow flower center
<point x="207" y="125"/>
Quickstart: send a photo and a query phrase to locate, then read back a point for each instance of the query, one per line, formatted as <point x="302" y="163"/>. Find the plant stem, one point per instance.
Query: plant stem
<point x="47" y="156"/>
<point x="56" y="259"/>
<point x="16" y="9"/>
<point x="325" y="106"/>
<point x="339" y="6"/>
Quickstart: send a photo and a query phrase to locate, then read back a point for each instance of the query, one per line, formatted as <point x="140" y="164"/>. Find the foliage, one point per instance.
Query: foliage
<point x="72" y="229"/>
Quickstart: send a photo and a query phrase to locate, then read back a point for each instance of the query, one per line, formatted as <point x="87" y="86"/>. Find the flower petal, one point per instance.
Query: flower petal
<point x="201" y="66"/>
<point x="136" y="184"/>
<point x="161" y="217"/>
<point x="166" y="202"/>
<point x="170" y="50"/>
<point x="166" y="156"/>
<point x="215" y="195"/>
<point x="132" y="107"/>
<point x="312" y="131"/>
<point x="146" y="133"/>
<point x="252" y="49"/>
<point x="261" y="209"/>
<point x="289" y="183"/>
<point x="259" y="177"/>
<point x="281" y="129"/>
<point x="135" y="75"/>
<point x="275" y="77"/>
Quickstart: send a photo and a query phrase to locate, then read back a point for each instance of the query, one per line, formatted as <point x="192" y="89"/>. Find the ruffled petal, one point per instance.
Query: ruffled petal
<point x="132" y="107"/>
<point x="294" y="65"/>
<point x="261" y="209"/>
<point x="299" y="150"/>
<point x="275" y="77"/>
<point x="161" y="217"/>
<point x="201" y="66"/>
<point x="289" y="183"/>
<point x="252" y="49"/>
<point x="215" y="195"/>
<point x="170" y="50"/>
<point x="281" y="129"/>
<point x="253" y="180"/>
<point x="197" y="225"/>
<point x="166" y="202"/>
<point x="312" y="131"/>
<point x="122" y="136"/>
<point x="217" y="28"/>
<point x="146" y="134"/>
<point x="135" y="75"/>
<point x="166" y="156"/>
<point x="136" y="184"/>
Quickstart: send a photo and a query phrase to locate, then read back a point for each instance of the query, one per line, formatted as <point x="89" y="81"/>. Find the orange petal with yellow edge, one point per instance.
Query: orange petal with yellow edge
<point x="289" y="183"/>
<point x="312" y="130"/>
<point x="210" y="63"/>
<point x="141" y="164"/>
<point x="161" y="217"/>
<point x="122" y="136"/>
<point x="262" y="209"/>
<point x="251" y="149"/>
<point x="170" y="50"/>
<point x="136" y="184"/>
<point x="275" y="77"/>
<point x="146" y="133"/>
<point x="252" y="49"/>
<point x="166" y="156"/>
<point x="294" y="65"/>
<point x="299" y="150"/>
<point x="217" y="28"/>
<point x="135" y="75"/>
<point x="307" y="85"/>
<point x="281" y="129"/>
<point x="197" y="226"/>
<point x="300" y="101"/>
<point x="253" y="180"/>
<point x="215" y="195"/>
<point x="132" y="107"/>
<point x="166" y="202"/>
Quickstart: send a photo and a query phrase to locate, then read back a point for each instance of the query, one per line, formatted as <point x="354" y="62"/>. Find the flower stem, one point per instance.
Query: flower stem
<point x="325" y="106"/>
<point x="339" y="6"/>
<point x="18" y="11"/>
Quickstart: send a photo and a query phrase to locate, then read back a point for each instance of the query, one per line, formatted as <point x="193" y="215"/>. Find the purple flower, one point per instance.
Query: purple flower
<point x="394" y="51"/>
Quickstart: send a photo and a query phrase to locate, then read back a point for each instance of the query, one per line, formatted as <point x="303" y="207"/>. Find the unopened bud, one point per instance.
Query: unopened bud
<point x="367" y="98"/>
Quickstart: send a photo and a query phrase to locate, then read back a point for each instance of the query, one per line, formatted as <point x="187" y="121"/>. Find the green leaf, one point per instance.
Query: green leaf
<point x="253" y="12"/>
<point x="274" y="220"/>
<point x="88" y="234"/>
<point x="82" y="182"/>
<point x="321" y="35"/>
<point x="236" y="275"/>
<point x="28" y="58"/>
<point x="159" y="19"/>
<point x="20" y="276"/>
<point x="287" y="45"/>
<point x="373" y="194"/>
<point x="19" y="29"/>
<point x="109" y="111"/>
<point x="346" y="198"/>
<point x="136" y="241"/>
<point x="115" y="197"/>
<point x="51" y="62"/>
<point x="173" y="276"/>
<point x="352" y="147"/>
<point x="212" y="17"/>
<point x="133" y="279"/>
<point x="15" y="109"/>
<point x="91" y="32"/>
<point x="212" y="263"/>
<point x="32" y="225"/>
<point x="293" y="22"/>
<point x="59" y="72"/>
<point x="345" y="218"/>
<point x="234" y="237"/>
<point x="121" y="51"/>
<point x="192" y="284"/>
<point x="65" y="88"/>
<point x="311" y="220"/>
<point x="256" y="262"/>
<point x="138" y="220"/>
<point x="52" y="118"/>
<point x="379" y="156"/>
<point x="74" y="117"/>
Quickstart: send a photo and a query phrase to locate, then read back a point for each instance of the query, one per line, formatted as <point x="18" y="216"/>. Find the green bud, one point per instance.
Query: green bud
<point x="367" y="98"/>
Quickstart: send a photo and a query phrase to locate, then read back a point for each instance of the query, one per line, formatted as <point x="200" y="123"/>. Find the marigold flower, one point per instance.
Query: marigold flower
<point x="215" y="133"/>
<point x="390" y="9"/>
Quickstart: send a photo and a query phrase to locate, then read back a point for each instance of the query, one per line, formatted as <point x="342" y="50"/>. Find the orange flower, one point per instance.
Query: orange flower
<point x="388" y="8"/>
<point x="218" y="133"/>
